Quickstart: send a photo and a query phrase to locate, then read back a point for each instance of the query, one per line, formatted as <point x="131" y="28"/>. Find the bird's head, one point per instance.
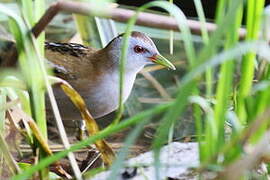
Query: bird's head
<point x="141" y="51"/>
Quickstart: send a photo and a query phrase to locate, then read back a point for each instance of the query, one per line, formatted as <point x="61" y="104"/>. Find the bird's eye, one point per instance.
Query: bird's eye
<point x="139" y="49"/>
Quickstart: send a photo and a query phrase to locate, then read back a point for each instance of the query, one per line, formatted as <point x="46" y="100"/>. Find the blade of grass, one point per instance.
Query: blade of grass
<point x="39" y="10"/>
<point x="263" y="97"/>
<point x="220" y="11"/>
<point x="2" y="109"/>
<point x="209" y="88"/>
<point x="224" y="86"/>
<point x="205" y="38"/>
<point x="9" y="160"/>
<point x="34" y="79"/>
<point x="2" y="124"/>
<point x="254" y="14"/>
<point x="36" y="90"/>
<point x="38" y="96"/>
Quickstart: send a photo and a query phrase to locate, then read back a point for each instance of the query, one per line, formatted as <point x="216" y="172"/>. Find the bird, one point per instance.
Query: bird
<point x="94" y="73"/>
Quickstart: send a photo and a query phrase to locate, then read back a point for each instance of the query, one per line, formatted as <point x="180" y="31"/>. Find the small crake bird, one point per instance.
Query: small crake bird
<point x="95" y="73"/>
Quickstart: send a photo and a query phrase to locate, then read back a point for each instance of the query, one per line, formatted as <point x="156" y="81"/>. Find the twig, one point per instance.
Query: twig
<point x="10" y="161"/>
<point x="120" y="15"/>
<point x="154" y="100"/>
<point x="162" y="91"/>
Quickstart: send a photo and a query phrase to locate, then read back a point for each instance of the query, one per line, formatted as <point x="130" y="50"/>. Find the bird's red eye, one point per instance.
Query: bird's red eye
<point x="139" y="49"/>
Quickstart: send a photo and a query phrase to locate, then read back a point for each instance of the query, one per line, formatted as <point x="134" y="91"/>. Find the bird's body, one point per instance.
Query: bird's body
<point x="97" y="84"/>
<point x="94" y="73"/>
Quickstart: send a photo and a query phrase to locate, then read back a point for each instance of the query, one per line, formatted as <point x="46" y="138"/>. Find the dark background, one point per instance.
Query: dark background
<point x="187" y="6"/>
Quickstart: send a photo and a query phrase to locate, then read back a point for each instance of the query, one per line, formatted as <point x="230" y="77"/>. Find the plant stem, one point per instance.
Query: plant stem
<point x="254" y="11"/>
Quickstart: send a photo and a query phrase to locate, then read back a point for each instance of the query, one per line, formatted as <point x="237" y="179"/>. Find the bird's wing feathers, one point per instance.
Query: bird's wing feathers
<point x="67" y="59"/>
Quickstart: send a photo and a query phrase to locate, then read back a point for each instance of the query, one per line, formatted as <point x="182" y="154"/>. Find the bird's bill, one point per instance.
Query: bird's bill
<point x="159" y="59"/>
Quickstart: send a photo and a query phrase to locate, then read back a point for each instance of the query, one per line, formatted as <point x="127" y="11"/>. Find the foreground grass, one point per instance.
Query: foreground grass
<point x="228" y="97"/>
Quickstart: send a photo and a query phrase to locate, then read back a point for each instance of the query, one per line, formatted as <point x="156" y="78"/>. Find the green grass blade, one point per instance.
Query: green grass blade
<point x="205" y="38"/>
<point x="254" y="15"/>
<point x="224" y="86"/>
<point x="2" y="110"/>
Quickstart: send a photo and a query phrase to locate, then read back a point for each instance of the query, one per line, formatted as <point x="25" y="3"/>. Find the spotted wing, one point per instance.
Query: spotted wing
<point x="67" y="59"/>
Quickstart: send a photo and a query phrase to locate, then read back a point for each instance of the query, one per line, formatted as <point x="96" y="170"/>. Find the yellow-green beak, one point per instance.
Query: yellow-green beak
<point x="159" y="59"/>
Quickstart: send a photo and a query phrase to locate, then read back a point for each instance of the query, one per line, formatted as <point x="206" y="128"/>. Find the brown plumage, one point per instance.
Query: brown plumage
<point x="67" y="60"/>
